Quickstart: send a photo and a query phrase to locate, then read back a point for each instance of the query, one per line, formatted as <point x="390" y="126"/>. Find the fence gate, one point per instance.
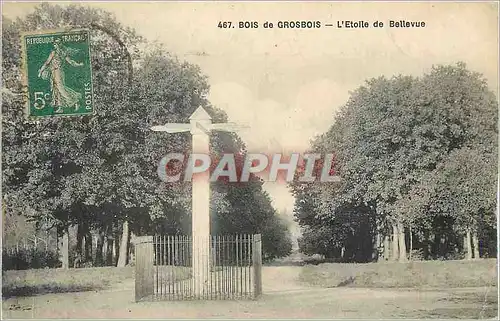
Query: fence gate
<point x="164" y="271"/>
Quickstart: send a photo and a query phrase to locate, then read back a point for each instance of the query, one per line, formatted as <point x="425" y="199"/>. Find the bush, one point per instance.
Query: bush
<point x="41" y="281"/>
<point x="474" y="273"/>
<point x="417" y="255"/>
<point x="32" y="258"/>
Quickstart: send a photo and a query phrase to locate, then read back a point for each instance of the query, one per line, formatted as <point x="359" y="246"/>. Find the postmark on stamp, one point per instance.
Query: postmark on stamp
<point x="58" y="73"/>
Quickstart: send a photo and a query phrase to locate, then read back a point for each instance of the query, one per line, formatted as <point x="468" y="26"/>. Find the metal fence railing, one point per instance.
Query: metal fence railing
<point x="167" y="268"/>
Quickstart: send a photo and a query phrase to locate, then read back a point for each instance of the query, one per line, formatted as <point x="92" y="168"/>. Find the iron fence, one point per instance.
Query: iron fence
<point x="164" y="267"/>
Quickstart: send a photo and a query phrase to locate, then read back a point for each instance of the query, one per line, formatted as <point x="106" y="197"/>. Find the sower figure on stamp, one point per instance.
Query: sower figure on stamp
<point x="62" y="95"/>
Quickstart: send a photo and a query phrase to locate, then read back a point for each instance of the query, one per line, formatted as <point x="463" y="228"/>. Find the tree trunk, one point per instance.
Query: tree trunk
<point x="65" y="249"/>
<point x="99" y="246"/>
<point x="443" y="244"/>
<point x="475" y="243"/>
<point x="116" y="249"/>
<point x="88" y="246"/>
<point x="411" y="243"/>
<point x="395" y="247"/>
<point x="80" y="233"/>
<point x="131" y="249"/>
<point x="376" y="247"/>
<point x="467" y="246"/>
<point x="109" y="251"/>
<point x="402" y="243"/>
<point x="386" y="248"/>
<point x="105" y="250"/>
<point x="84" y="248"/>
<point x="430" y="246"/>
<point x="123" y="255"/>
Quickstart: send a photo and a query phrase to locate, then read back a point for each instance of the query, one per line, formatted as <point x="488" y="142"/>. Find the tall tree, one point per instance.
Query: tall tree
<point x="99" y="172"/>
<point x="395" y="134"/>
<point x="56" y="165"/>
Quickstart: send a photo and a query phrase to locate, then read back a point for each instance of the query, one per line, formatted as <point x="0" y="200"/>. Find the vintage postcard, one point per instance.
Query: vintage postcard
<point x="264" y="160"/>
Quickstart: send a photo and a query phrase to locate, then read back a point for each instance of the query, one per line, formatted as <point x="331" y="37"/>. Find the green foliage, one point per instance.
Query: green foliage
<point x="100" y="170"/>
<point x="409" y="150"/>
<point x="276" y="239"/>
<point x="32" y="258"/>
<point x="63" y="169"/>
<point x="247" y="209"/>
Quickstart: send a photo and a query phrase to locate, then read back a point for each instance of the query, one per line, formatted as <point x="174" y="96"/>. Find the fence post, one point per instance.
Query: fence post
<point x="257" y="265"/>
<point x="144" y="266"/>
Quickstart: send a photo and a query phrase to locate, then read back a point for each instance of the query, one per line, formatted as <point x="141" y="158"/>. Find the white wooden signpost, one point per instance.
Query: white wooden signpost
<point x="200" y="127"/>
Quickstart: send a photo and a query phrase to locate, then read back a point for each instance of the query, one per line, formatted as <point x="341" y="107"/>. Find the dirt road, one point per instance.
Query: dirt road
<point x="284" y="297"/>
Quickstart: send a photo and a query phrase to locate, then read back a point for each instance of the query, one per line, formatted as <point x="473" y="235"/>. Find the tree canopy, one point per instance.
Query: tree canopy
<point x="101" y="171"/>
<point x="412" y="152"/>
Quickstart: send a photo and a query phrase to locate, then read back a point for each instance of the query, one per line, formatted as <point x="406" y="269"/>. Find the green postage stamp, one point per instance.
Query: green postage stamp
<point x="58" y="73"/>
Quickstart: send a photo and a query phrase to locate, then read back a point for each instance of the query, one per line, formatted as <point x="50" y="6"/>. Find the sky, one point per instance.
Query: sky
<point x="287" y="84"/>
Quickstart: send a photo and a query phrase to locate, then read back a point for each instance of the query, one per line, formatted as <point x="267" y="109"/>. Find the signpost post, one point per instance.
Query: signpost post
<point x="200" y="127"/>
<point x="58" y="73"/>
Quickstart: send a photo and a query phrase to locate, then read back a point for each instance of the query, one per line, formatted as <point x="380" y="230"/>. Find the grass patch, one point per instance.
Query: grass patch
<point x="40" y="281"/>
<point x="171" y="274"/>
<point x="471" y="305"/>
<point x="419" y="274"/>
<point x="462" y="313"/>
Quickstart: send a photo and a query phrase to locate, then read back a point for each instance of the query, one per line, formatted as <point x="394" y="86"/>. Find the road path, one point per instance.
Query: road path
<point x="284" y="297"/>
